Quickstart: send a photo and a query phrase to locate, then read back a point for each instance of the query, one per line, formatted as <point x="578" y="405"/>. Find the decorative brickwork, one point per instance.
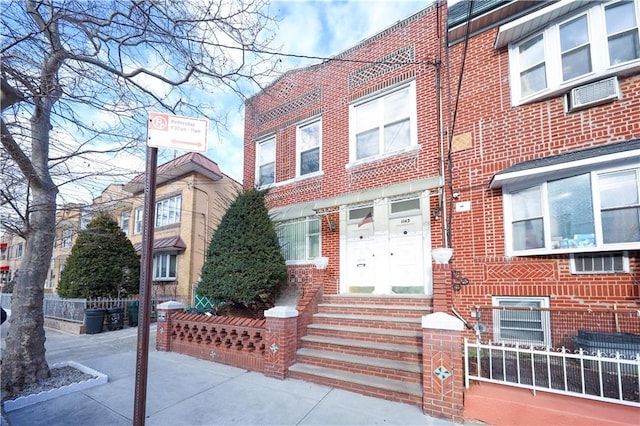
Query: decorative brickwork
<point x="442" y="367"/>
<point x="304" y="188"/>
<point x="235" y="341"/>
<point x="373" y="172"/>
<point x="382" y="66"/>
<point x="298" y="103"/>
<point x="281" y="328"/>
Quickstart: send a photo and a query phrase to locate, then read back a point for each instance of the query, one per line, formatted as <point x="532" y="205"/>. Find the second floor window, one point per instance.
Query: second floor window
<point x="67" y="238"/>
<point x="266" y="161"/>
<point x="18" y="250"/>
<point x="383" y="125"/>
<point x="168" y="211"/>
<point x="600" y="41"/>
<point x="137" y="224"/>
<point x="124" y="222"/>
<point x="308" y="145"/>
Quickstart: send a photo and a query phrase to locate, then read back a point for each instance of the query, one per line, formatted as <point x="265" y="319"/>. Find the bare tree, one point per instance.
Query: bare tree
<point x="78" y="79"/>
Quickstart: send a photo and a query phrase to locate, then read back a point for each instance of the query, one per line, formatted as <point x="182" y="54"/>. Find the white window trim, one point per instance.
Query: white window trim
<point x="625" y="265"/>
<point x="258" y="164"/>
<point x="156" y="256"/>
<point x="413" y="145"/>
<point x="138" y="220"/>
<point x="507" y="189"/>
<point x="308" y="123"/>
<point x="553" y="63"/>
<point x="171" y="206"/>
<point x="308" y="259"/>
<point x="545" y="316"/>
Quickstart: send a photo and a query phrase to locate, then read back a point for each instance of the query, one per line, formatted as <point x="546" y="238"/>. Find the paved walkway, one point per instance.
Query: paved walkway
<point x="186" y="391"/>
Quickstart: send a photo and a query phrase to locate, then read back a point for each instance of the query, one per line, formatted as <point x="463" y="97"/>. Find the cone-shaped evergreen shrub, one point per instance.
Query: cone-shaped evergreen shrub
<point x="102" y="263"/>
<point x="244" y="264"/>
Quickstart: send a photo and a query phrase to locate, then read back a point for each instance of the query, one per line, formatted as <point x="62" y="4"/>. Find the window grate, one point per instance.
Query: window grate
<point x="599" y="263"/>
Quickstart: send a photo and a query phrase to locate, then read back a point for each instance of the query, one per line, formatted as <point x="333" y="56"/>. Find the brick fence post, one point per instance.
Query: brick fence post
<point x="442" y="292"/>
<point x="163" y="331"/>
<point x="442" y="366"/>
<point x="282" y="337"/>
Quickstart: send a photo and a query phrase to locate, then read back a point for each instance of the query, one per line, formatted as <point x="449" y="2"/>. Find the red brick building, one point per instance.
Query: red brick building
<point x="350" y="150"/>
<point x="545" y="155"/>
<point x="508" y="132"/>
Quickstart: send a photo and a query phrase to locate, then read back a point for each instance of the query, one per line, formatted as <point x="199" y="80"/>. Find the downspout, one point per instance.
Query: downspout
<point x="194" y="235"/>
<point x="442" y="199"/>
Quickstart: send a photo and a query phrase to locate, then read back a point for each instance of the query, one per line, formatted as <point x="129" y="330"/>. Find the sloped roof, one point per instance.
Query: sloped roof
<point x="623" y="150"/>
<point x="164" y="243"/>
<point x="192" y="162"/>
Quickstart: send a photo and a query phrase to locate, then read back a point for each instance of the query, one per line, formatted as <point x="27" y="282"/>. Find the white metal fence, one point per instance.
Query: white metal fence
<point x="611" y="377"/>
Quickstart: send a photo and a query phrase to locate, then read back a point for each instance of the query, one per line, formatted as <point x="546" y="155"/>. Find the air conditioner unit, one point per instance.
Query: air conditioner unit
<point x="596" y="93"/>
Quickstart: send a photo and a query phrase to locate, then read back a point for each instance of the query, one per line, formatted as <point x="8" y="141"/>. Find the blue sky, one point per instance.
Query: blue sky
<point x="312" y="28"/>
<point x="321" y="28"/>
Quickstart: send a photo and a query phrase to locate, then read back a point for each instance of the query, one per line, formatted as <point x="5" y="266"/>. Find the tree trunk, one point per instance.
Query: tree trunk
<point x="23" y="361"/>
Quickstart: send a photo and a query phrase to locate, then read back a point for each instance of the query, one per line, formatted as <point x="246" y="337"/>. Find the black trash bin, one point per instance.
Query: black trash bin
<point x="132" y="311"/>
<point x="115" y="318"/>
<point x="93" y="320"/>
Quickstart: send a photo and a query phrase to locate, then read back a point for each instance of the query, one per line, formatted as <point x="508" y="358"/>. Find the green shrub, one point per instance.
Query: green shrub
<point x="244" y="263"/>
<point x="102" y="263"/>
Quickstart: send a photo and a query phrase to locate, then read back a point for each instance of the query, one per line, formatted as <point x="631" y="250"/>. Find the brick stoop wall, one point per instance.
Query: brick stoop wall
<point x="366" y="344"/>
<point x="240" y="342"/>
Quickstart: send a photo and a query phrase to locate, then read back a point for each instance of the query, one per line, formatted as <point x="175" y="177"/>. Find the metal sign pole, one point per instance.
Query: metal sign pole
<point x="142" y="358"/>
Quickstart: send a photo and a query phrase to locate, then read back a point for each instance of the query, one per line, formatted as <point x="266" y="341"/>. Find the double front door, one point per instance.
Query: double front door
<point x="383" y="247"/>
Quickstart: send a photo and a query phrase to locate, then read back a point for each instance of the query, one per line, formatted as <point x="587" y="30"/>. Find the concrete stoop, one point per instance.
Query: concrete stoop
<point x="367" y="345"/>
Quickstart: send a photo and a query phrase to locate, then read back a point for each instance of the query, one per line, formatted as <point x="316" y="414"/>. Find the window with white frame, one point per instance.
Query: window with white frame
<point x="566" y="53"/>
<point x="168" y="211"/>
<point x="521" y="320"/>
<point x="266" y="161"/>
<point x="309" y="139"/>
<point x="137" y="220"/>
<point x="299" y="239"/>
<point x="124" y="222"/>
<point x="18" y="250"/>
<point x="67" y="238"/>
<point x="587" y="212"/>
<point x="599" y="263"/>
<point x="164" y="267"/>
<point x="383" y="125"/>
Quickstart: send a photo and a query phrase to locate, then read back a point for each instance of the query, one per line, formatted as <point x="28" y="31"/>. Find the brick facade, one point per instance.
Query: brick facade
<point x="494" y="136"/>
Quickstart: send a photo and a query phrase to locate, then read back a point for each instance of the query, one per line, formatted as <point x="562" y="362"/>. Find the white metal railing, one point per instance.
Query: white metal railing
<point x="598" y="376"/>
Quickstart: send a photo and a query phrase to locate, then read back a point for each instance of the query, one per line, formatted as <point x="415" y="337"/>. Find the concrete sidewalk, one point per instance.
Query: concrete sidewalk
<point x="187" y="391"/>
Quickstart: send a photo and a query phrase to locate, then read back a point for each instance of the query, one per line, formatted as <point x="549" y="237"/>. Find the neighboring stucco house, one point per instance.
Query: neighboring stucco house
<point x="192" y="195"/>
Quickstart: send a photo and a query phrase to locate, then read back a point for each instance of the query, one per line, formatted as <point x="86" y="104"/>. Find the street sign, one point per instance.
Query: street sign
<point x="177" y="132"/>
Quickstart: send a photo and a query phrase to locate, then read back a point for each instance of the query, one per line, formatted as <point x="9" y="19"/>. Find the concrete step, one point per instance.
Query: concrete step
<point x="407" y="300"/>
<point x="374" y="309"/>
<point x="385" y="368"/>
<point x="372" y="321"/>
<point x="390" y="351"/>
<point x="394" y="390"/>
<point x="380" y="335"/>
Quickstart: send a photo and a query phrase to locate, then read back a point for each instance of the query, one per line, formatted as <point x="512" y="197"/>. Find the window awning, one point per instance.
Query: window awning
<point x="4" y="245"/>
<point x="4" y="268"/>
<point x="583" y="159"/>
<point x="311" y="208"/>
<point x="175" y="243"/>
<point x="532" y="22"/>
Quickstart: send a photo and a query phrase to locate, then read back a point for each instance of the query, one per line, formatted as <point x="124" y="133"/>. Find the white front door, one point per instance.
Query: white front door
<point x="382" y="248"/>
